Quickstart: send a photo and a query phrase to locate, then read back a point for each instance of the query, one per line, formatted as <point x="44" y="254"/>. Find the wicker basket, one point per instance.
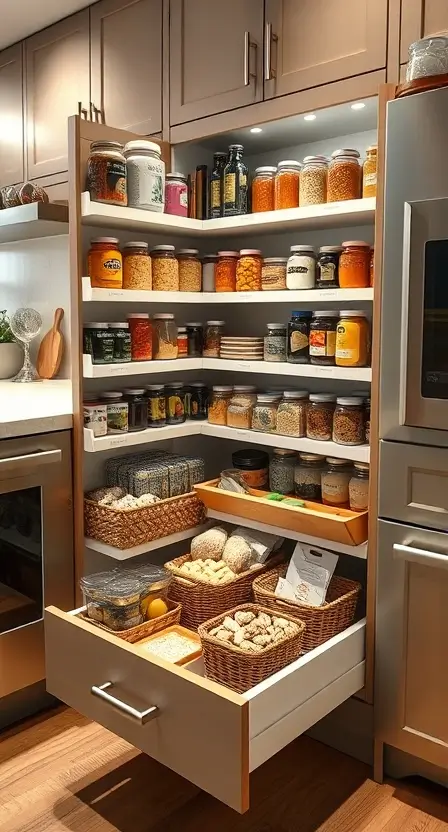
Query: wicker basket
<point x="127" y="528"/>
<point x="322" y="622"/>
<point x="201" y="600"/>
<point x="147" y="628"/>
<point x="238" y="670"/>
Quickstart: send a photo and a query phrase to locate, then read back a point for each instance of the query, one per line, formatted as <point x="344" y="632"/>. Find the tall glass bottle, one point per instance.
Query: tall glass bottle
<point x="216" y="197"/>
<point x="235" y="183"/>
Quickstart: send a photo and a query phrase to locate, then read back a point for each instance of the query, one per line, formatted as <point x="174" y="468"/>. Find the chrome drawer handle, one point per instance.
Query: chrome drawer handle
<point x="422" y="556"/>
<point x="141" y="716"/>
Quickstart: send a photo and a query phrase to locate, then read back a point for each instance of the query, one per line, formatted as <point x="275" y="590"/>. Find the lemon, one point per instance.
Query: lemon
<point x="156" y="608"/>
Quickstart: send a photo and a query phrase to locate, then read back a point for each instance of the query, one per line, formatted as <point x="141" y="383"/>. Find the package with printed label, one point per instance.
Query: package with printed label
<point x="309" y="573"/>
<point x="261" y="543"/>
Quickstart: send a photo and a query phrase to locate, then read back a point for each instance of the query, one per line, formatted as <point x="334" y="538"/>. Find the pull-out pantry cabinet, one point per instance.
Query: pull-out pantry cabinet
<point x="11" y="116"/>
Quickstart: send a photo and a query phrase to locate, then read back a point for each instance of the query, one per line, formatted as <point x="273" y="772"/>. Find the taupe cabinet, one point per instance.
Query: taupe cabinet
<point x="419" y="19"/>
<point x="11" y="116"/>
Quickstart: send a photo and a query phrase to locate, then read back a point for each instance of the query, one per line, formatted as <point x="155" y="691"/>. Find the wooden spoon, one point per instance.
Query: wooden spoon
<point x="51" y="349"/>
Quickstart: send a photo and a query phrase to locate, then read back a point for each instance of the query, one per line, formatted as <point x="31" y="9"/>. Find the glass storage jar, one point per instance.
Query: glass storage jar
<point x="98" y="342"/>
<point x="307" y="477"/>
<point x="319" y="416"/>
<point x="208" y="272"/>
<point x="165" y="336"/>
<point x="137" y="408"/>
<point x="369" y="172"/>
<point x="122" y="341"/>
<point x="175" y="403"/>
<point x="219" y="402"/>
<point x="117" y="411"/>
<point x="136" y="266"/>
<point x="358" y="487"/>
<point x="427" y="57"/>
<point x="301" y="268"/>
<point x="182" y="342"/>
<point x="327" y="276"/>
<point x="253" y="465"/>
<point x="263" y="185"/>
<point x="273" y="273"/>
<point x="165" y="269"/>
<point x="349" y="421"/>
<point x="323" y="337"/>
<point x="141" y="336"/>
<point x="145" y="175"/>
<point x="239" y="411"/>
<point x="287" y="184"/>
<point x="291" y="413"/>
<point x="195" y="338"/>
<point x="190" y="270"/>
<point x="155" y="394"/>
<point x="275" y="343"/>
<point x="354" y="265"/>
<point x="105" y="263"/>
<point x="198" y="400"/>
<point x="298" y="351"/>
<point x="212" y="338"/>
<point x="176" y="194"/>
<point x="313" y="181"/>
<point x="106" y="173"/>
<point x="264" y="414"/>
<point x="344" y="176"/>
<point x="248" y="270"/>
<point x="225" y="271"/>
<point x="281" y="471"/>
<point x="335" y="480"/>
<point x="352" y="339"/>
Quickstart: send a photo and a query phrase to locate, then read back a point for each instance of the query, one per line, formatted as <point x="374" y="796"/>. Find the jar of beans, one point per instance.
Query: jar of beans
<point x="291" y="413"/>
<point x="281" y="471"/>
<point x="176" y="194"/>
<point x="225" y="271"/>
<point x="212" y="338"/>
<point x="165" y="336"/>
<point x="344" y="176"/>
<point x="348" y="421"/>
<point x="319" y="416"/>
<point x="327" y="275"/>
<point x="273" y="273"/>
<point x="141" y="336"/>
<point x="287" y="183"/>
<point x="313" y="180"/>
<point x="354" y="265"/>
<point x="136" y="266"/>
<point x="190" y="270"/>
<point x="165" y="269"/>
<point x="219" y="402"/>
<point x="335" y="480"/>
<point x="248" y="270"/>
<point x="369" y="172"/>
<point x="275" y="343"/>
<point x="323" y="337"/>
<point x="264" y="415"/>
<point x="106" y="173"/>
<point x="367" y="419"/>
<point x="263" y="189"/>
<point x="307" y="477"/>
<point x="358" y="487"/>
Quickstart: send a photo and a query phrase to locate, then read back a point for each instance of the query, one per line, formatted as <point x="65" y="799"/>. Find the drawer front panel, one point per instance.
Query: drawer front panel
<point x="414" y="484"/>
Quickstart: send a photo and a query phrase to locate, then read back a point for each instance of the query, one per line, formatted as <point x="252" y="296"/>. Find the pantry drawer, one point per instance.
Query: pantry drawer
<point x="203" y="731"/>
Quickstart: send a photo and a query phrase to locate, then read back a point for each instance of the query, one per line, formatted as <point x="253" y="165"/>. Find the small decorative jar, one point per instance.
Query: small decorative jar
<point x="275" y="343"/>
<point x="319" y="416"/>
<point x="98" y="342"/>
<point x="141" y="336"/>
<point x="219" y="402"/>
<point x="165" y="336"/>
<point x="349" y="421"/>
<point x="225" y="271"/>
<point x="273" y="274"/>
<point x="208" y="272"/>
<point x="281" y="471"/>
<point x="190" y="270"/>
<point x="358" y="487"/>
<point x="106" y="173"/>
<point x="248" y="270"/>
<point x="307" y="477"/>
<point x="313" y="181"/>
<point x="335" y="480"/>
<point x="287" y="184"/>
<point x="344" y="176"/>
<point x="264" y="415"/>
<point x="195" y="338"/>
<point x="263" y="185"/>
<point x="301" y="268"/>
<point x="176" y="194"/>
<point x="369" y="172"/>
<point x="155" y="394"/>
<point x="138" y="408"/>
<point x="165" y="269"/>
<point x="145" y="175"/>
<point x="299" y="338"/>
<point x="212" y="338"/>
<point x="105" y="263"/>
<point x="354" y="265"/>
<point x="291" y="413"/>
<point x="198" y="400"/>
<point x="175" y="403"/>
<point x="182" y="342"/>
<point x="122" y="341"/>
<point x="327" y="276"/>
<point x="136" y="266"/>
<point x="323" y="337"/>
<point x="352" y="339"/>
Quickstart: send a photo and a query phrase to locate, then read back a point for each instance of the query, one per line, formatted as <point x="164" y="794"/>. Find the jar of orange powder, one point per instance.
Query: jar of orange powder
<point x="225" y="271"/>
<point x="263" y="189"/>
<point x="287" y="184"/>
<point x="354" y="265"/>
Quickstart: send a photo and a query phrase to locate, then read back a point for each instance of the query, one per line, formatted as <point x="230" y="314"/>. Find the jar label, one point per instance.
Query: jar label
<point x="146" y="184"/>
<point x="183" y="198"/>
<point x="348" y="343"/>
<point x="369" y="179"/>
<point x="175" y="407"/>
<point x="322" y="342"/>
<point x="156" y="409"/>
<point x="298" y="270"/>
<point x="298" y="341"/>
<point x="106" y="180"/>
<point x="230" y="188"/>
<point x="215" y="194"/>
<point x="105" y="269"/>
<point x="327" y="271"/>
<point x="112" y="265"/>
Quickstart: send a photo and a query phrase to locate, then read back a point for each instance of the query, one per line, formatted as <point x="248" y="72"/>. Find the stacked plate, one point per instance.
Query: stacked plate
<point x="241" y="349"/>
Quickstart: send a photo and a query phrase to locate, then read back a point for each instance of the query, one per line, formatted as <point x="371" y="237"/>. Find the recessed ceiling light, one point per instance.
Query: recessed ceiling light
<point x="358" y="105"/>
<point x="309" y="117"/>
<point x="256" y="129"/>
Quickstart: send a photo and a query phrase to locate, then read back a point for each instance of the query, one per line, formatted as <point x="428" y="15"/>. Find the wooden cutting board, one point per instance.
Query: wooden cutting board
<point x="51" y="349"/>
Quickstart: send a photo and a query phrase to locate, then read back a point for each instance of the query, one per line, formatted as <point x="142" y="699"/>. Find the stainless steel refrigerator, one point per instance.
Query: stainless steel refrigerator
<point x="411" y="697"/>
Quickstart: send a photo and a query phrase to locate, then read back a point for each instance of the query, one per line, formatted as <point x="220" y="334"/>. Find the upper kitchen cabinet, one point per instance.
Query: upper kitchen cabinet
<point x="314" y="42"/>
<point x="419" y="19"/>
<point x="11" y="116"/>
<point x="215" y="56"/>
<point x="56" y="78"/>
<point x="126" y="63"/>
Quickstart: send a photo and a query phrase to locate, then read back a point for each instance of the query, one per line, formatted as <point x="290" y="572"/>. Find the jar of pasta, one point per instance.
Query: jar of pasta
<point x="263" y="189"/>
<point x="354" y="265"/>
<point x="369" y="172"/>
<point x="136" y="266"/>
<point x="190" y="270"/>
<point x="313" y="180"/>
<point x="273" y="273"/>
<point x="248" y="270"/>
<point x="165" y="269"/>
<point x="352" y="339"/>
<point x="287" y="184"/>
<point x="165" y="336"/>
<point x="225" y="271"/>
<point x="219" y="403"/>
<point x="104" y="263"/>
<point x="344" y="176"/>
<point x="141" y="336"/>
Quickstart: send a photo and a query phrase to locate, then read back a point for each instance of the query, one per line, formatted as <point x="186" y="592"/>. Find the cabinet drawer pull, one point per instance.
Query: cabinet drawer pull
<point x="82" y="111"/>
<point x="422" y="556"/>
<point x="141" y="716"/>
<point x="269" y="73"/>
<point x="248" y="45"/>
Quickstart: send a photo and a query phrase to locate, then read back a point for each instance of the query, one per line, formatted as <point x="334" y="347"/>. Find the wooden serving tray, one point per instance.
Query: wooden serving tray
<point x="315" y="519"/>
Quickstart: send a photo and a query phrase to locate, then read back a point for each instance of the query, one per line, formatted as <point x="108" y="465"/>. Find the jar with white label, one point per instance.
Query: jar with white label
<point x="145" y="175"/>
<point x="301" y="268"/>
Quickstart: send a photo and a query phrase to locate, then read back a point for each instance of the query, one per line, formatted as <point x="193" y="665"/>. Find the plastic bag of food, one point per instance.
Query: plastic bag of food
<point x="309" y="573"/>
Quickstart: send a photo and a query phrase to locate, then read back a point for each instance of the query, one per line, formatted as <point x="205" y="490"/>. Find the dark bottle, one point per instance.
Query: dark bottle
<point x="235" y="183"/>
<point x="299" y="338"/>
<point x="216" y="195"/>
<point x="201" y="192"/>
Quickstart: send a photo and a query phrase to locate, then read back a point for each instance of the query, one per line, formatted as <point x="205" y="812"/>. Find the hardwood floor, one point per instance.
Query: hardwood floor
<point x="61" y="773"/>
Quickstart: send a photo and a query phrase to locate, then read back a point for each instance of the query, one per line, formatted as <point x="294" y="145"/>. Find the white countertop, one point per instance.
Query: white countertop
<point x="37" y="407"/>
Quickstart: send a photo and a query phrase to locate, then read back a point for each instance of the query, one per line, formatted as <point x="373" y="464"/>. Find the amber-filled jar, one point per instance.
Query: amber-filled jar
<point x="106" y="173"/>
<point x="287" y="184"/>
<point x="141" y="336"/>
<point x="105" y="263"/>
<point x="352" y="339"/>
<point x="344" y="176"/>
<point x="262" y="191"/>
<point x="248" y="270"/>
<point x="354" y="265"/>
<point x="369" y="172"/>
<point x="225" y="271"/>
<point x="136" y="266"/>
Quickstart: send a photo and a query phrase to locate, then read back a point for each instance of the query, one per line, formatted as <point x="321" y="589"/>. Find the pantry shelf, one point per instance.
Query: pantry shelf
<point x="28" y="222"/>
<point x="291" y="370"/>
<point x="90" y="295"/>
<point x="135" y="219"/>
<point x="135" y="551"/>
<point x="138" y="368"/>
<point x="94" y="444"/>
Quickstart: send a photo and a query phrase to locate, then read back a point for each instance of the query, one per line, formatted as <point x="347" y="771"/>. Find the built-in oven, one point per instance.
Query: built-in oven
<point x="36" y="550"/>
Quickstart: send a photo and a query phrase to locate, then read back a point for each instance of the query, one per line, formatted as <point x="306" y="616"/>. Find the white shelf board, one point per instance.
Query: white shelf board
<point x="356" y="551"/>
<point x="135" y="219"/>
<point x="139" y="437"/>
<point x="138" y="368"/>
<point x="291" y="370"/>
<point x="37" y="219"/>
<point x="126" y="295"/>
<point x="135" y="551"/>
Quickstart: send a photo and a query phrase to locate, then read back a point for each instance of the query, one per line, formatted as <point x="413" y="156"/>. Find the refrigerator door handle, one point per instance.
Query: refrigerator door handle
<point x="421" y="556"/>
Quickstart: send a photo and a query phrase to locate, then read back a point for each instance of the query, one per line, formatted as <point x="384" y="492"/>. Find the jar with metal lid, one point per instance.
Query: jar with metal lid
<point x="354" y="265"/>
<point x="335" y="480"/>
<point x="253" y="463"/>
<point x="105" y="263"/>
<point x="175" y="403"/>
<point x="352" y="339"/>
<point x="301" y="268"/>
<point x="344" y="175"/>
<point x="155" y="394"/>
<point x="212" y="338"/>
<point x="281" y="471"/>
<point x="298" y="351"/>
<point x="327" y="276"/>
<point x="165" y="269"/>
<point x="122" y="341"/>
<point x="313" y="181"/>
<point x="273" y="273"/>
<point x="106" y="173"/>
<point x="176" y="194"/>
<point x="369" y="172"/>
<point x="248" y="270"/>
<point x="218" y="404"/>
<point x="263" y="185"/>
<point x="225" y="271"/>
<point x="138" y="408"/>
<point x="198" y="400"/>
<point x="319" y="416"/>
<point x="208" y="272"/>
<point x="190" y="270"/>
<point x="358" y="487"/>
<point x="349" y="421"/>
<point x="195" y="338"/>
<point x="307" y="477"/>
<point x="323" y="337"/>
<point x="141" y="336"/>
<point x="136" y="266"/>
<point x="165" y="336"/>
<point x="427" y="57"/>
<point x="145" y="175"/>
<point x="246" y="392"/>
<point x="182" y="342"/>
<point x="117" y="411"/>
<point x="287" y="184"/>
<point x="239" y="411"/>
<point x="291" y="413"/>
<point x="264" y="414"/>
<point x="275" y="343"/>
<point x="98" y="342"/>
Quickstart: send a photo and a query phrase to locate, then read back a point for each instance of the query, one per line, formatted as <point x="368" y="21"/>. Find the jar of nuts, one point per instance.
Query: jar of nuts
<point x="344" y="176"/>
<point x="219" y="402"/>
<point x="349" y="421"/>
<point x="190" y="270"/>
<point x="273" y="273"/>
<point x="313" y="180"/>
<point x="248" y="270"/>
<point x="319" y="416"/>
<point x="291" y="413"/>
<point x="165" y="269"/>
<point x="136" y="266"/>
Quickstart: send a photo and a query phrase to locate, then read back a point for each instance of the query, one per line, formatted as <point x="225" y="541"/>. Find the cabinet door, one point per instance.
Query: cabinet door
<point x="11" y="116"/>
<point x="57" y="78"/>
<point x="215" y="56"/>
<point x="316" y="42"/>
<point x="419" y="19"/>
<point x="126" y="63"/>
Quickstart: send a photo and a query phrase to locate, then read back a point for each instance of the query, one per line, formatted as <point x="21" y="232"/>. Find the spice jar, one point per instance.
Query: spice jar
<point x="176" y="194"/>
<point x="190" y="270"/>
<point x="298" y="351"/>
<point x="358" y="487"/>
<point x="263" y="185"/>
<point x="216" y="193"/>
<point x="307" y="477"/>
<point x="145" y="175"/>
<point x="354" y="265"/>
<point x="372" y="266"/>
<point x="287" y="183"/>
<point x="275" y="343"/>
<point x="175" y="403"/>
<point x="219" y="402"/>
<point x="106" y="173"/>
<point x="335" y="480"/>
<point x="104" y="263"/>
<point x="137" y="408"/>
<point x="369" y="172"/>
<point x="182" y="342"/>
<point x="291" y="413"/>
<point x="165" y="269"/>
<point x="254" y="466"/>
<point x="198" y="400"/>
<point x="235" y="183"/>
<point x="165" y="336"/>
<point x="273" y="273"/>
<point x="136" y="267"/>
<point x="301" y="268"/>
<point x="327" y="276"/>
<point x="155" y="394"/>
<point x="98" y="342"/>
<point x="225" y="271"/>
<point x="281" y="471"/>
<point x="141" y="336"/>
<point x="117" y="412"/>
<point x="264" y="414"/>
<point x="323" y="337"/>
<point x="212" y="340"/>
<point x="348" y="421"/>
<point x="313" y="180"/>
<point x="344" y="176"/>
<point x="352" y="339"/>
<point x="195" y="338"/>
<point x="122" y="341"/>
<point x="319" y="416"/>
<point x="248" y="270"/>
<point x="208" y="272"/>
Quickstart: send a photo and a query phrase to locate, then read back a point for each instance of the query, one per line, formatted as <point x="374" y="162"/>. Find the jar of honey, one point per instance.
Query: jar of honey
<point x="263" y="189"/>
<point x="225" y="271"/>
<point x="354" y="265"/>
<point x="105" y="264"/>
<point x="352" y="339"/>
<point x="287" y="183"/>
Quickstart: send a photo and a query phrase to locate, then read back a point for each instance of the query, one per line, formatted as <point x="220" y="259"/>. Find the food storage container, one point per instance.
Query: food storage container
<point x="174" y="644"/>
<point x="225" y="271"/>
<point x="106" y="173"/>
<point x="348" y="421"/>
<point x="137" y="266"/>
<point x="182" y="342"/>
<point x="208" y="272"/>
<point x="354" y="265"/>
<point x="117" y="412"/>
<point x="313" y="180"/>
<point x="105" y="264"/>
<point x="122" y="341"/>
<point x="216" y="190"/>
<point x="281" y="471"/>
<point x="195" y="338"/>
<point x="359" y="487"/>
<point x="137" y="408"/>
<point x="141" y="336"/>
<point x="291" y="413"/>
<point x="154" y="583"/>
<point x="335" y="480"/>
<point x="254" y="466"/>
<point x="212" y="339"/>
<point x="176" y="194"/>
<point x="273" y="273"/>
<point x="263" y="185"/>
<point x="352" y="339"/>
<point x="301" y="268"/>
<point x="219" y="402"/>
<point x="275" y="343"/>
<point x="307" y="477"/>
<point x="298" y="349"/>
<point x="327" y="274"/>
<point x="145" y="175"/>
<point x="248" y="270"/>
<point x="155" y="394"/>
<point x="165" y="336"/>
<point x="175" y="403"/>
<point x="198" y="400"/>
<point x="112" y="599"/>
<point x="369" y="172"/>
<point x="319" y="416"/>
<point x="239" y="411"/>
<point x="235" y="183"/>
<point x="264" y="415"/>
<point x="344" y="176"/>
<point x="98" y="342"/>
<point x="323" y="326"/>
<point x="95" y="416"/>
<point x="165" y="269"/>
<point x="190" y="270"/>
<point x="287" y="184"/>
<point x="427" y="57"/>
